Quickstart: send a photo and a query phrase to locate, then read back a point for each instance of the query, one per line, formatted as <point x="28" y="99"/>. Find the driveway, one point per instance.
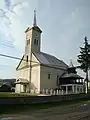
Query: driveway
<point x="69" y="112"/>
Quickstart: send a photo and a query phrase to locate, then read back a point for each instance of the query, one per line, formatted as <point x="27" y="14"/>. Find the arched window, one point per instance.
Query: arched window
<point x="34" y="41"/>
<point x="49" y="76"/>
<point x="27" y="58"/>
<point x="28" y="41"/>
<point x="57" y="79"/>
<point x="37" y="42"/>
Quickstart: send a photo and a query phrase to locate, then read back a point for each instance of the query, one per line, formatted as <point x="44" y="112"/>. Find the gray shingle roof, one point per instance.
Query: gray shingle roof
<point x="71" y="75"/>
<point x="22" y="80"/>
<point x="50" y="60"/>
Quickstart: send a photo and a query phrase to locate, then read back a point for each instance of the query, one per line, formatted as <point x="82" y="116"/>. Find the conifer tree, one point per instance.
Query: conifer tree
<point x="84" y="59"/>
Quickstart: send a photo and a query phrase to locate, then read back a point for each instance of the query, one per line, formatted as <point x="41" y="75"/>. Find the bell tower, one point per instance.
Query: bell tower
<point x="33" y="37"/>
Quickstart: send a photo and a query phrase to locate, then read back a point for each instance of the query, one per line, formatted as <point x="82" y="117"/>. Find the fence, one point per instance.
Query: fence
<point x="54" y="92"/>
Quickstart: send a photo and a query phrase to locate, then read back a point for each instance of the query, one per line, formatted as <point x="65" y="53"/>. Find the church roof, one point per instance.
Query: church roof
<point x="70" y="75"/>
<point x="36" y="28"/>
<point x="21" y="80"/>
<point x="50" y="60"/>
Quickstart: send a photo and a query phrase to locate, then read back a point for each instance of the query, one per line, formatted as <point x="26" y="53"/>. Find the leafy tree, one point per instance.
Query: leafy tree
<point x="84" y="59"/>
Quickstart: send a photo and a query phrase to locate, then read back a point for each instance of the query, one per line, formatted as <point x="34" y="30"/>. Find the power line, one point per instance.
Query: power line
<point x="17" y="58"/>
<point x="12" y="57"/>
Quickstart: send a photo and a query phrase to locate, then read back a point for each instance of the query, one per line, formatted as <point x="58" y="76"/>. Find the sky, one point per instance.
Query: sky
<point x="64" y="24"/>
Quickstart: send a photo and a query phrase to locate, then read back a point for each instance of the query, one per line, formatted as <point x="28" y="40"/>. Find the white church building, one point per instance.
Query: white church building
<point x="37" y="70"/>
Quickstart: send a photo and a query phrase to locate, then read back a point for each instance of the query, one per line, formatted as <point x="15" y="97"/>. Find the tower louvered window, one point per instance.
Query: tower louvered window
<point x="28" y="41"/>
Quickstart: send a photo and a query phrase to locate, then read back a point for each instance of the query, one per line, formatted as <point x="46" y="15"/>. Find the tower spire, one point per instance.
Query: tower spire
<point x="71" y="64"/>
<point x="34" y="21"/>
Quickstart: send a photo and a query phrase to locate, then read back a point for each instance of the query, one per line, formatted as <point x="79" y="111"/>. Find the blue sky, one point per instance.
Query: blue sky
<point x="64" y="24"/>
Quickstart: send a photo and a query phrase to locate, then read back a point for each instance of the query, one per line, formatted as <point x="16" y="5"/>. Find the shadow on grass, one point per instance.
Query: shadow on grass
<point x="10" y="109"/>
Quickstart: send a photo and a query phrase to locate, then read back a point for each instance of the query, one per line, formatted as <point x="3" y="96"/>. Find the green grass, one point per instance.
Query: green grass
<point x="10" y="94"/>
<point x="6" y="109"/>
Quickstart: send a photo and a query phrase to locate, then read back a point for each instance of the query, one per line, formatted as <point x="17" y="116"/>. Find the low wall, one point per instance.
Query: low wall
<point x="41" y="99"/>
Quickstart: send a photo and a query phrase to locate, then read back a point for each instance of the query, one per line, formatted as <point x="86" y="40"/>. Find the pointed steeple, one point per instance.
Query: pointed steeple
<point x="34" y="21"/>
<point x="34" y="26"/>
<point x="71" y="64"/>
<point x="71" y="68"/>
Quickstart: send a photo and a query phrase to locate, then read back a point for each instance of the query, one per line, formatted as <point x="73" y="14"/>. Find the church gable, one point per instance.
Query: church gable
<point x="22" y="63"/>
<point x="35" y="62"/>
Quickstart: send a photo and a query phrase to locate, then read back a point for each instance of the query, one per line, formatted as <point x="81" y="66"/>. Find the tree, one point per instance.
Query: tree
<point x="84" y="59"/>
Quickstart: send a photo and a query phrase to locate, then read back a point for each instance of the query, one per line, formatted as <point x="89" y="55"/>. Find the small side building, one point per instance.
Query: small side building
<point x="70" y="81"/>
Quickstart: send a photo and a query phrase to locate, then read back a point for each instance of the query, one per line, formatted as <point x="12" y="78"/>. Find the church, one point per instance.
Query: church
<point x="37" y="70"/>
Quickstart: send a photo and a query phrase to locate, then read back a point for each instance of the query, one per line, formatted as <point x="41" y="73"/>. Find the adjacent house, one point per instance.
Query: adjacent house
<point x="7" y="85"/>
<point x="70" y="81"/>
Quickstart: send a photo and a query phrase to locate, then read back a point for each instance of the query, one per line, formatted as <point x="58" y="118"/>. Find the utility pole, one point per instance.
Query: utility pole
<point x="87" y="59"/>
<point x="30" y="72"/>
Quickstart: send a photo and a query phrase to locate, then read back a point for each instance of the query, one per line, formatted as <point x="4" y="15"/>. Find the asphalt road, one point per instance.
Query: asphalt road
<point x="69" y="112"/>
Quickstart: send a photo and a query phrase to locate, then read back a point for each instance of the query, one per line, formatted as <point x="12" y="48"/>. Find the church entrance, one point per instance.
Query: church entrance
<point x="24" y="88"/>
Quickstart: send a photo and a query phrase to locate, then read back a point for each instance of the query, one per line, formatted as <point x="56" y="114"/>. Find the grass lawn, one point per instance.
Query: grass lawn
<point x="10" y="94"/>
<point x="9" y="109"/>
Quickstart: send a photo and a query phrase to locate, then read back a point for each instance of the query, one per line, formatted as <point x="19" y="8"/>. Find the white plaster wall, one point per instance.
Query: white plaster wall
<point x="35" y="74"/>
<point x="21" y="88"/>
<point x="33" y="34"/>
<point x="36" y="35"/>
<point x="35" y="78"/>
<point x="17" y="88"/>
<point x="52" y="82"/>
<point x="23" y="73"/>
<point x="28" y="36"/>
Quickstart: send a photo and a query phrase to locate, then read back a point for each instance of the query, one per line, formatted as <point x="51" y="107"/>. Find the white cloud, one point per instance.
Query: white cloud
<point x="2" y="5"/>
<point x="18" y="9"/>
<point x="70" y="36"/>
<point x="73" y="24"/>
<point x="11" y="22"/>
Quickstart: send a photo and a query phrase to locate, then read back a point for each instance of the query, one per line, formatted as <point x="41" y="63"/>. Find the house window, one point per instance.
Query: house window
<point x="49" y="76"/>
<point x="27" y="58"/>
<point x="28" y="41"/>
<point x="57" y="79"/>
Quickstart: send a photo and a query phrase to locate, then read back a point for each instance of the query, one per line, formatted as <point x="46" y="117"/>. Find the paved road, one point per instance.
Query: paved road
<point x="70" y="112"/>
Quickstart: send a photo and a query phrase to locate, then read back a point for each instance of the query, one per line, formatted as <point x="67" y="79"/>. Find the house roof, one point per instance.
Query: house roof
<point x="50" y="60"/>
<point x="21" y="80"/>
<point x="8" y="82"/>
<point x="5" y="83"/>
